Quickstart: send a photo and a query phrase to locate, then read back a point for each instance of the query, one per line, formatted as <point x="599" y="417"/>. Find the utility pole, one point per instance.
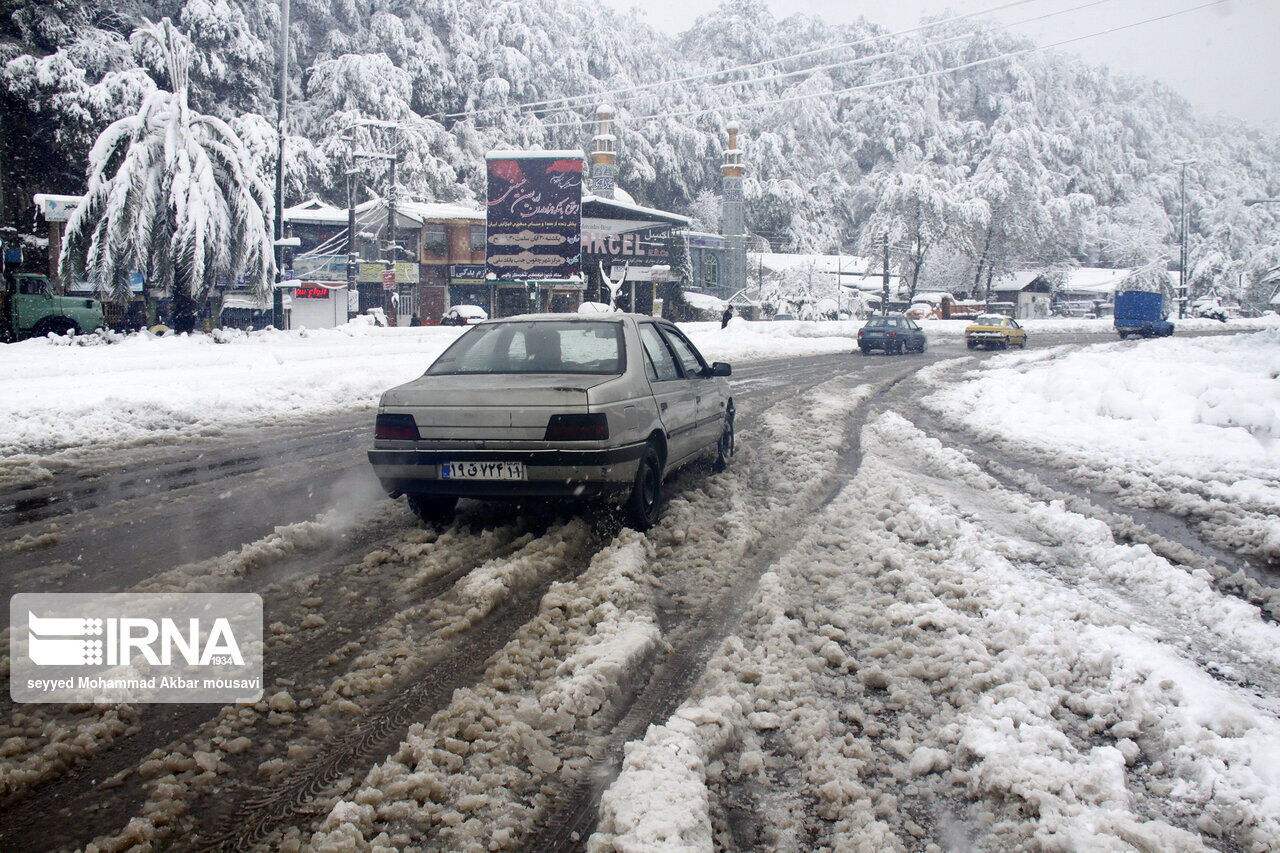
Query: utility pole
<point x="1182" y="264"/>
<point x="839" y="277"/>
<point x="391" y="299"/>
<point x="353" y="254"/>
<point x="277" y="299"/>
<point x="391" y="214"/>
<point x="884" y="307"/>
<point x="1183" y="254"/>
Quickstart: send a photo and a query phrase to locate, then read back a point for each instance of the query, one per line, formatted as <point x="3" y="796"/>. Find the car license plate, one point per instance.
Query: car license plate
<point x="482" y="471"/>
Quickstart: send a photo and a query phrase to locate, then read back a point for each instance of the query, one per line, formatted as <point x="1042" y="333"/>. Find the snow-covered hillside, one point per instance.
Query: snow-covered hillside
<point x="1020" y="156"/>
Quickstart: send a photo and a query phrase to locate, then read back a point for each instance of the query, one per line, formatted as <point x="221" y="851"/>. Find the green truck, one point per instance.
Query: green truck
<point x="30" y="308"/>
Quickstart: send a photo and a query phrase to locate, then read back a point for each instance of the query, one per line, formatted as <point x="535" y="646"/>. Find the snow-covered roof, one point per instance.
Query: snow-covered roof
<point x="1015" y="281"/>
<point x="57" y="208"/>
<point x="1094" y="280"/>
<point x="515" y="154"/>
<point x="855" y="272"/>
<point x="433" y="211"/>
<point x="245" y="301"/>
<point x="704" y="301"/>
<point x="631" y="206"/>
<point x="316" y="212"/>
<point x="780" y="262"/>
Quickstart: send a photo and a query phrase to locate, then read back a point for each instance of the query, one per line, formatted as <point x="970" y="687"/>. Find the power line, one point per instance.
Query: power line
<point x="910" y="78"/>
<point x="746" y="67"/>
<point x="861" y="60"/>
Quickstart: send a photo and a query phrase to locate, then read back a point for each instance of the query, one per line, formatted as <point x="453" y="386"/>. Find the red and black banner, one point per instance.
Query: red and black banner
<point x="535" y="215"/>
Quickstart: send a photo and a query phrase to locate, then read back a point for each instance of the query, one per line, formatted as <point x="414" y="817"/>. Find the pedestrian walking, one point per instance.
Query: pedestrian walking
<point x="726" y="317"/>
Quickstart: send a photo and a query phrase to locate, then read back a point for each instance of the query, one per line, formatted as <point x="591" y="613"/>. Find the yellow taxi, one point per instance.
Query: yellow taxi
<point x="993" y="330"/>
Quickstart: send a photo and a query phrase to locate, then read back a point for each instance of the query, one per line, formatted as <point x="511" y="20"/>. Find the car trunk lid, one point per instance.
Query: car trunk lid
<point x="498" y="407"/>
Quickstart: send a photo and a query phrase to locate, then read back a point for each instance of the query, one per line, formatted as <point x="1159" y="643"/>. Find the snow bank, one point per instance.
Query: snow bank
<point x="1191" y="425"/>
<point x="941" y="660"/>
<point x="122" y="390"/>
<point x="659" y="801"/>
<point x="54" y="397"/>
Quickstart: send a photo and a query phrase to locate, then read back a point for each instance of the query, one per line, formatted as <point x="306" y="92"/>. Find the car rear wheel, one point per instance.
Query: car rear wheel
<point x="724" y="448"/>
<point x="433" y="509"/>
<point x="924" y="345"/>
<point x="642" y="508"/>
<point x="865" y="350"/>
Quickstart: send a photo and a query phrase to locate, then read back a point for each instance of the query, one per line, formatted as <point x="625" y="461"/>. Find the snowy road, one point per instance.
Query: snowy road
<point x="877" y="631"/>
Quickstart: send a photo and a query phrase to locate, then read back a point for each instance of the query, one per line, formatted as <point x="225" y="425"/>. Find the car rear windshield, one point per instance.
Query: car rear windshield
<point x="535" y="347"/>
<point x="990" y="320"/>
<point x="883" y="322"/>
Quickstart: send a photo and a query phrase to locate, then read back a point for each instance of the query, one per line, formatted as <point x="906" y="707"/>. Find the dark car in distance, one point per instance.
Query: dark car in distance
<point x="892" y="333"/>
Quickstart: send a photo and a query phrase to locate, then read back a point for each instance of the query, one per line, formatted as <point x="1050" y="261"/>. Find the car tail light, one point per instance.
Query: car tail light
<point x="396" y="428"/>
<point x="594" y="427"/>
<point x="892" y="335"/>
<point x="859" y="333"/>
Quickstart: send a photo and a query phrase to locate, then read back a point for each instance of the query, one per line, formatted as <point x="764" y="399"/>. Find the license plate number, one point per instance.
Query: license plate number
<point x="482" y="471"/>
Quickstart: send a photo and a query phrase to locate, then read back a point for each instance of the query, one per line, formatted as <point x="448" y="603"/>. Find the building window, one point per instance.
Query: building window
<point x="433" y="239"/>
<point x="710" y="271"/>
<point x="477" y="238"/>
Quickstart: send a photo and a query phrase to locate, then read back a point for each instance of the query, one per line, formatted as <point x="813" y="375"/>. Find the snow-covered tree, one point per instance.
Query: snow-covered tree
<point x="918" y="212"/>
<point x="1089" y="154"/>
<point x="172" y="193"/>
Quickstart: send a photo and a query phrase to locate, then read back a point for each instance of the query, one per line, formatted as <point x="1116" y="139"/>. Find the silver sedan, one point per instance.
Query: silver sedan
<point x="555" y="406"/>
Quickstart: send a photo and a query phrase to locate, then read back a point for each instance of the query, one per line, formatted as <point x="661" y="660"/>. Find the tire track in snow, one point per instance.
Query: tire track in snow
<point x="571" y="822"/>
<point x="814" y="371"/>
<point x="110" y="772"/>
<point x="1177" y="538"/>
<point x="457" y="663"/>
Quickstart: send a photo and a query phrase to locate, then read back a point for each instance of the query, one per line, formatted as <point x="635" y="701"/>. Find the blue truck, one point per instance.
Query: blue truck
<point x="1140" y="312"/>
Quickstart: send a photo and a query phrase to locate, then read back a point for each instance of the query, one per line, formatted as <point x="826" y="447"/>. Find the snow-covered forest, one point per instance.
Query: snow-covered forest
<point x="1034" y="159"/>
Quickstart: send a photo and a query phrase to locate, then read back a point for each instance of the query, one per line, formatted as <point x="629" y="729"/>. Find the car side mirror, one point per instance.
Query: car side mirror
<point x="720" y="368"/>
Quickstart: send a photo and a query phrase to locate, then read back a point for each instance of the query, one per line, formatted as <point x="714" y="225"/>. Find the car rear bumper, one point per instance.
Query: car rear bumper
<point x="549" y="473"/>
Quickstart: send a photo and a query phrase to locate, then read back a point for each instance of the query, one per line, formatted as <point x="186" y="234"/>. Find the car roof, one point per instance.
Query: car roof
<point x="570" y="318"/>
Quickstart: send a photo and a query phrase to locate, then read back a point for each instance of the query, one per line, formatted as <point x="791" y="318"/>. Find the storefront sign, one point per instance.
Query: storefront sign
<point x="651" y="245"/>
<point x="388" y="279"/>
<point x="371" y="272"/>
<point x="314" y="291"/>
<point x="320" y="267"/>
<point x="466" y="274"/>
<point x="535" y="214"/>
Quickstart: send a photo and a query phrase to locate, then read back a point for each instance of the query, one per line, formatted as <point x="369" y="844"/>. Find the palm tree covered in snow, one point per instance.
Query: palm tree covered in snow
<point x="172" y="193"/>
